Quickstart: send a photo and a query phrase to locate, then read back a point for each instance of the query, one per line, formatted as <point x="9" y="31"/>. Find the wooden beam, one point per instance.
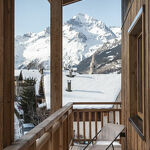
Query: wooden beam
<point x="6" y="72"/>
<point x="1" y="73"/>
<point x="66" y="2"/>
<point x="56" y="55"/>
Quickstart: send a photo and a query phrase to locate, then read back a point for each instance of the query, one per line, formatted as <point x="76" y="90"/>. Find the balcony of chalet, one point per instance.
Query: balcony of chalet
<point x="73" y="127"/>
<point x="77" y="128"/>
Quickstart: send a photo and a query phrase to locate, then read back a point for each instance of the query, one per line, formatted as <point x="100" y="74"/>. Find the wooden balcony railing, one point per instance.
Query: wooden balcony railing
<point x="87" y="122"/>
<point x="68" y="125"/>
<point x="54" y="133"/>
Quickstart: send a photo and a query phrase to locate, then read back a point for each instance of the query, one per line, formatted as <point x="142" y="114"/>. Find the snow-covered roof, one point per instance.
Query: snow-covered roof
<point x="85" y="87"/>
<point x="31" y="74"/>
<point x="88" y="88"/>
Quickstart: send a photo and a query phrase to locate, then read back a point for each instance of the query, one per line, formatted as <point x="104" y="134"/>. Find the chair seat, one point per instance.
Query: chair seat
<point x="107" y="136"/>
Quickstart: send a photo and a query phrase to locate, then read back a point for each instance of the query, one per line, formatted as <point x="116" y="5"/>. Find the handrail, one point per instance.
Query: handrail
<point x="92" y="117"/>
<point x="27" y="140"/>
<point x="62" y="120"/>
<point x="97" y="103"/>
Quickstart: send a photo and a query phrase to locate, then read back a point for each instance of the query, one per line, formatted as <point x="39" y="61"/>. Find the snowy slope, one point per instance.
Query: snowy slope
<point x="97" y="88"/>
<point x="82" y="36"/>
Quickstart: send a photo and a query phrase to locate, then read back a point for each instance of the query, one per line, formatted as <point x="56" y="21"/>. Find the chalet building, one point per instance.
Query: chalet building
<point x="57" y="131"/>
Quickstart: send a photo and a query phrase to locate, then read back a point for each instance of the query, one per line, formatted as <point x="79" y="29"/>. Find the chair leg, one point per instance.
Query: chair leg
<point x="112" y="146"/>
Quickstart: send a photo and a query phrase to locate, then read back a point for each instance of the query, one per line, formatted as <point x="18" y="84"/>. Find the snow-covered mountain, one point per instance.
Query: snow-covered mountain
<point x="82" y="37"/>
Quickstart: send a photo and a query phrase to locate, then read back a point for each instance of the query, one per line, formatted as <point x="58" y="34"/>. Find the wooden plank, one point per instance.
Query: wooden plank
<point x="56" y="55"/>
<point x="78" y="127"/>
<point x="72" y="121"/>
<point x="67" y="2"/>
<point x="96" y="110"/>
<point x="61" y="137"/>
<point x="108" y="117"/>
<point x="84" y="126"/>
<point x="90" y="130"/>
<point x="32" y="147"/>
<point x="95" y="103"/>
<point x="40" y="129"/>
<point x="64" y="135"/>
<point x="55" y="140"/>
<point x="95" y="123"/>
<point x="134" y="141"/>
<point x="1" y="72"/>
<point x="114" y="117"/>
<point x="7" y="72"/>
<point x="102" y="119"/>
<point x="43" y="142"/>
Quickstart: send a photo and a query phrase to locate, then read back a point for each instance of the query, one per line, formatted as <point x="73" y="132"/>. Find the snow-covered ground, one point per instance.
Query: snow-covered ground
<point x="85" y="87"/>
<point x="88" y="88"/>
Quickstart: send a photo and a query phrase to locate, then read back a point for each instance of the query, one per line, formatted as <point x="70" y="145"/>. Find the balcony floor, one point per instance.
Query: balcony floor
<point x="96" y="147"/>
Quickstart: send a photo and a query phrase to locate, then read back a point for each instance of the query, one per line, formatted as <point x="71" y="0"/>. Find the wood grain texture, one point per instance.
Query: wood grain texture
<point x="6" y="72"/>
<point x="133" y="140"/>
<point x="56" y="55"/>
<point x="1" y="72"/>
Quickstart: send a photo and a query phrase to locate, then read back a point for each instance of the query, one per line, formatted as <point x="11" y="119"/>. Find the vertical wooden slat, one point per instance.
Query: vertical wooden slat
<point x="67" y="132"/>
<point x="90" y="133"/>
<point x="56" y="55"/>
<point x="61" y="137"/>
<point x="108" y="117"/>
<point x="78" y="127"/>
<point x="84" y="126"/>
<point x="55" y="140"/>
<point x="72" y="121"/>
<point x="114" y="117"/>
<point x="64" y="135"/>
<point x="44" y="142"/>
<point x="50" y="141"/>
<point x="101" y="119"/>
<point x="120" y="117"/>
<point x="69" y="129"/>
<point x="95" y="123"/>
<point x="33" y="146"/>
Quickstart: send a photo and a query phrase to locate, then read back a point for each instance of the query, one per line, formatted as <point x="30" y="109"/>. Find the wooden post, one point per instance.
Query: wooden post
<point x="6" y="73"/>
<point x="56" y="55"/>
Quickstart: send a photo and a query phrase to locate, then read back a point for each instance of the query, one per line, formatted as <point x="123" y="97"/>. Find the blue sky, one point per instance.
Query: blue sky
<point x="34" y="15"/>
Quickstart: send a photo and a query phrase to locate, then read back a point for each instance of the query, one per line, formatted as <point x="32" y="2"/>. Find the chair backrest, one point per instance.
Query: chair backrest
<point x="110" y="132"/>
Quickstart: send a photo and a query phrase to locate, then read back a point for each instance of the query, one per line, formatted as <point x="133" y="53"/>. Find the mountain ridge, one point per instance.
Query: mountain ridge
<point x="82" y="37"/>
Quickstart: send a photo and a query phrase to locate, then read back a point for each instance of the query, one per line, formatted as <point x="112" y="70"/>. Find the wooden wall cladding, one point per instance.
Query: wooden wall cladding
<point x="6" y="72"/>
<point x="133" y="141"/>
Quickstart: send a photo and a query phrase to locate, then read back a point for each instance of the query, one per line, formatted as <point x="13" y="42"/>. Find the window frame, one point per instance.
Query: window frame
<point x="137" y="29"/>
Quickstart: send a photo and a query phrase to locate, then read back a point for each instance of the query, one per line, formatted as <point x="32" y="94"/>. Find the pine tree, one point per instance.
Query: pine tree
<point x="28" y="102"/>
<point x="20" y="76"/>
<point x="41" y="89"/>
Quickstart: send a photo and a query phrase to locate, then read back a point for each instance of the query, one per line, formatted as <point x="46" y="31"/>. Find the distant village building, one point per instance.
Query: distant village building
<point x="20" y="76"/>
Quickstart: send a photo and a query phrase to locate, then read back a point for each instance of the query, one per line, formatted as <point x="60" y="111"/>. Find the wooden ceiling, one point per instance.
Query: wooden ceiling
<point x="67" y="2"/>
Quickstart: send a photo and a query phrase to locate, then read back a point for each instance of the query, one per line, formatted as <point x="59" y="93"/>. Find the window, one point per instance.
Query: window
<point x="139" y="76"/>
<point x="137" y="72"/>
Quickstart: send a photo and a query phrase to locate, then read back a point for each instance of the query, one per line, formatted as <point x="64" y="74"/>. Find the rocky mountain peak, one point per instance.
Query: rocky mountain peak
<point x="82" y="37"/>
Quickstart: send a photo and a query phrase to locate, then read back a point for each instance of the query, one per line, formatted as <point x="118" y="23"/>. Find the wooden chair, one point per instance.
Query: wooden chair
<point x="107" y="135"/>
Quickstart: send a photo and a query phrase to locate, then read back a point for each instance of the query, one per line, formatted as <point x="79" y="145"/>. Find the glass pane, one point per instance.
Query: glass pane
<point x="140" y="74"/>
<point x="32" y="65"/>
